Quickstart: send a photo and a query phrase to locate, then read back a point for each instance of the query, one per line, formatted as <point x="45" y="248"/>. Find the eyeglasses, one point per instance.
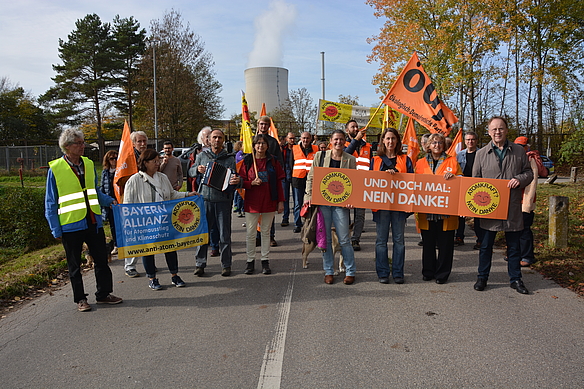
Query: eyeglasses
<point x="497" y="129"/>
<point x="261" y="143"/>
<point x="78" y="143"/>
<point x="113" y="158"/>
<point x="437" y="143"/>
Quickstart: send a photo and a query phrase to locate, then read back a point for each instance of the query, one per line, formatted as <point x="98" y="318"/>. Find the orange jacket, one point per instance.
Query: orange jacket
<point x="449" y="165"/>
<point x="302" y="163"/>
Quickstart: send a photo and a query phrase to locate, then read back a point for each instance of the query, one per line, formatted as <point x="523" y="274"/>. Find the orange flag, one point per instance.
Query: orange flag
<point x="411" y="140"/>
<point x="414" y="95"/>
<point x="263" y="111"/>
<point x="456" y="145"/>
<point x="126" y="166"/>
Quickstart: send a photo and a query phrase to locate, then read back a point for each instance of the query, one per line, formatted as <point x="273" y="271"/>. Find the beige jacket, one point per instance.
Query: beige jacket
<point x="528" y="204"/>
<point x="347" y="162"/>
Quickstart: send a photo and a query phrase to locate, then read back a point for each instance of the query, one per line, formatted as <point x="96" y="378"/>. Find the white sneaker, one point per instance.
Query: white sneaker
<point x="115" y="251"/>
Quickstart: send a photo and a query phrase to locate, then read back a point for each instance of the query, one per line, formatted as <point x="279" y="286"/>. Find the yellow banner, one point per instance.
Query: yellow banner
<point x="331" y="111"/>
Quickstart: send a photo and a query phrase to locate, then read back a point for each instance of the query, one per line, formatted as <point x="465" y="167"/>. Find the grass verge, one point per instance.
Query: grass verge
<point x="563" y="265"/>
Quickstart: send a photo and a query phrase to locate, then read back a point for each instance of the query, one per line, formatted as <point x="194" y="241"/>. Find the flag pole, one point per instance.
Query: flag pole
<point x="372" y="116"/>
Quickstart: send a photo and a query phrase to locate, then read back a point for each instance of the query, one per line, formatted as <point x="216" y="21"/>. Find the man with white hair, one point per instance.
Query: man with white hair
<point x="73" y="210"/>
<point x="140" y="143"/>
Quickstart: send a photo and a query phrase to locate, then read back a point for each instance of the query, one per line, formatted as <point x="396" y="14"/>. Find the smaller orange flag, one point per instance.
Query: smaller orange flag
<point x="273" y="130"/>
<point x="456" y="145"/>
<point x="263" y="111"/>
<point x="126" y="166"/>
<point x="411" y="140"/>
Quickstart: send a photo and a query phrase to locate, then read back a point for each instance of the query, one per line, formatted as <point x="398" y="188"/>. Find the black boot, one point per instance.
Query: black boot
<point x="266" y="267"/>
<point x="249" y="268"/>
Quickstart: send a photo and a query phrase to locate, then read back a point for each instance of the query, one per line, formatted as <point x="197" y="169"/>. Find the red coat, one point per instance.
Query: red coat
<point x="258" y="198"/>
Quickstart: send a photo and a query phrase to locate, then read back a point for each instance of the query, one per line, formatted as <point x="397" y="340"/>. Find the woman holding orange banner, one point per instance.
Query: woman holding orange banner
<point x="337" y="216"/>
<point x="437" y="230"/>
<point x="390" y="159"/>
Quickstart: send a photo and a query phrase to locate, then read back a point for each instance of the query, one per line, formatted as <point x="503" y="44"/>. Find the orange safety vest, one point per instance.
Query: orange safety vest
<point x="302" y="163"/>
<point x="363" y="156"/>
<point x="400" y="163"/>
<point x="450" y="164"/>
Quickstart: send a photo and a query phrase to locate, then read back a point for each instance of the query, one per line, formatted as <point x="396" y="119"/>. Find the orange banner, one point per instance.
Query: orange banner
<point x="414" y="95"/>
<point x="410" y="192"/>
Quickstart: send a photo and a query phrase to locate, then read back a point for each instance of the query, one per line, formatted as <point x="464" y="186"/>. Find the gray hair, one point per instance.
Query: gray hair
<point x="200" y="139"/>
<point x="68" y="137"/>
<point x="134" y="134"/>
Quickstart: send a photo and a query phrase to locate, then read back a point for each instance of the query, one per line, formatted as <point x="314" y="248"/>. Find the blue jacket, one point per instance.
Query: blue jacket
<point x="461" y="157"/>
<point x="52" y="208"/>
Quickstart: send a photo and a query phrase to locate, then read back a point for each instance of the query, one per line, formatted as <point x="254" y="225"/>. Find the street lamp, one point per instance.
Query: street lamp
<point x="155" y="110"/>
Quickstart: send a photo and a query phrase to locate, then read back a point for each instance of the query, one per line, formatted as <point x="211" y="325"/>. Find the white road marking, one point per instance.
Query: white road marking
<point x="271" y="373"/>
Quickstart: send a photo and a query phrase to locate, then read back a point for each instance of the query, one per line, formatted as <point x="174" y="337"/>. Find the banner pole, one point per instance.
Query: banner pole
<point x="372" y="116"/>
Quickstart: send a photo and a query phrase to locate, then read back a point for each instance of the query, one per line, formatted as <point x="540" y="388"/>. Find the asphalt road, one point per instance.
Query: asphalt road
<point x="291" y="330"/>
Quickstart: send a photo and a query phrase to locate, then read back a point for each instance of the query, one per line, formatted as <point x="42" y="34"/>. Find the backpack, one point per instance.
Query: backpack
<point x="542" y="171"/>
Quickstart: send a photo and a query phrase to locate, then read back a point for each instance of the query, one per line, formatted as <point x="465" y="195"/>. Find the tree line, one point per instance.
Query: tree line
<point x="522" y="59"/>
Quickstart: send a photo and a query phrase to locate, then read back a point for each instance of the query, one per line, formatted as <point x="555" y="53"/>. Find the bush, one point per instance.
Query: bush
<point x="22" y="219"/>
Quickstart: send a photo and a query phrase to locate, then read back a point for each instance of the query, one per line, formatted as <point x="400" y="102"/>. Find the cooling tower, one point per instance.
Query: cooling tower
<point x="265" y="85"/>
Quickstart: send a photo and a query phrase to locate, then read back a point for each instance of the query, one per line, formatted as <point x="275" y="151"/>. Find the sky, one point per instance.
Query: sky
<point x="236" y="33"/>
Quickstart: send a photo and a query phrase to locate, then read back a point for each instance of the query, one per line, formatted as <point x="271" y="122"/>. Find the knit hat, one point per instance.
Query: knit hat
<point x="521" y="140"/>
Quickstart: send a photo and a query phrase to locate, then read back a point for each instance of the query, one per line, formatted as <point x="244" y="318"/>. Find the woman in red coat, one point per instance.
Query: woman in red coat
<point x="264" y="197"/>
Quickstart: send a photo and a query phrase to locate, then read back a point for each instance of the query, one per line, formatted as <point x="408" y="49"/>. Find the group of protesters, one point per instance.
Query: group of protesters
<point x="273" y="172"/>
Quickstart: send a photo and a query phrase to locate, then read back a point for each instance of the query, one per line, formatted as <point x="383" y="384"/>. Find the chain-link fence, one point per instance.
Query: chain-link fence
<point x="31" y="157"/>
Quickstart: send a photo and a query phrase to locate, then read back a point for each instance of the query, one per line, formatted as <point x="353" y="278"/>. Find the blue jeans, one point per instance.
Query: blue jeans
<point x="527" y="238"/>
<point x="298" y="195"/>
<point x="513" y="254"/>
<point x="219" y="217"/>
<point x="171" y="262"/>
<point x="339" y="217"/>
<point x="397" y="222"/>
<point x="286" y="187"/>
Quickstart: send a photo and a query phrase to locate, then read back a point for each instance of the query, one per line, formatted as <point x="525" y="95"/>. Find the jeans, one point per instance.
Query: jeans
<point x="358" y="222"/>
<point x="526" y="239"/>
<point x="238" y="202"/>
<point x="251" y="222"/>
<point x="73" y="244"/>
<point x="286" y="187"/>
<point x="437" y="266"/>
<point x="513" y="254"/>
<point x="214" y="238"/>
<point x="171" y="262"/>
<point x="397" y="222"/>
<point x="298" y="195"/>
<point x="338" y="217"/>
<point x="219" y="216"/>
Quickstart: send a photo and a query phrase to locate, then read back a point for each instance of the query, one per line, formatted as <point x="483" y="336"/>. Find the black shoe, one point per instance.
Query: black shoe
<point x="480" y="285"/>
<point x="199" y="271"/>
<point x="440" y="282"/>
<point x="226" y="271"/>
<point x="285" y="224"/>
<point x="249" y="268"/>
<point x="398" y="280"/>
<point x="384" y="280"/>
<point x="477" y="246"/>
<point x="356" y="246"/>
<point x="266" y="267"/>
<point x="519" y="287"/>
<point x="273" y="242"/>
<point x="427" y="278"/>
<point x="297" y="229"/>
<point x="421" y="243"/>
